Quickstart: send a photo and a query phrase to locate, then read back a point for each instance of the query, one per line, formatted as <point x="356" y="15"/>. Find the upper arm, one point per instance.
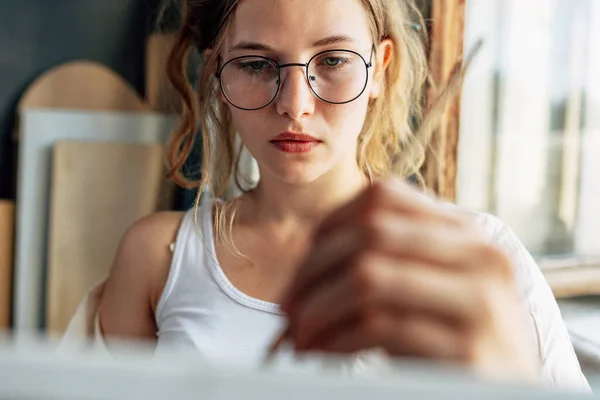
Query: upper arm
<point x="137" y="277"/>
<point x="549" y="334"/>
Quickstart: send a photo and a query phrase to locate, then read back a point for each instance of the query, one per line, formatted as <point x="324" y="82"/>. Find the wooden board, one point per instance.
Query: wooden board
<point x="98" y="191"/>
<point x="81" y="100"/>
<point x="82" y="85"/>
<point x="160" y="94"/>
<point x="88" y="85"/>
<point x="574" y="281"/>
<point x="7" y="218"/>
<point x="40" y="129"/>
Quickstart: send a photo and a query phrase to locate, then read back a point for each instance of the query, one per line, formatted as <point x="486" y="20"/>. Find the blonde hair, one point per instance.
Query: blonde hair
<point x="387" y="140"/>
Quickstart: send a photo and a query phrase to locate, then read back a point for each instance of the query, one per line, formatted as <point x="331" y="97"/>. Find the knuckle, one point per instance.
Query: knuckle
<point x="411" y="283"/>
<point x="366" y="279"/>
<point x="373" y="226"/>
<point x="485" y="297"/>
<point x="486" y="251"/>
<point x="496" y="261"/>
<point x="468" y="222"/>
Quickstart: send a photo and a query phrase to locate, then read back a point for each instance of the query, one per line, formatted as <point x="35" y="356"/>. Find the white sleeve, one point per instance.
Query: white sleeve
<point x="83" y="331"/>
<point x="550" y="338"/>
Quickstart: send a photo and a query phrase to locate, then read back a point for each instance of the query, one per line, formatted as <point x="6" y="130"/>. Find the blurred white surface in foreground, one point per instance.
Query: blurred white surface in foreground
<point x="31" y="369"/>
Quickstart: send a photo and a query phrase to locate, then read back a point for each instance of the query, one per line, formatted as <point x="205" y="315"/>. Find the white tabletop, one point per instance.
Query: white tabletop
<point x="34" y="372"/>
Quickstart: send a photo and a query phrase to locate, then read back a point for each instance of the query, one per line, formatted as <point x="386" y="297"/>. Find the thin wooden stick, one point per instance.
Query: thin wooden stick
<point x="436" y="112"/>
<point x="447" y="28"/>
<point x="276" y="345"/>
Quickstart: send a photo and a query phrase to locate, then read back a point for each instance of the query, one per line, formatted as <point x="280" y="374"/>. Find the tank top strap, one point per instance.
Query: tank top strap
<point x="190" y="236"/>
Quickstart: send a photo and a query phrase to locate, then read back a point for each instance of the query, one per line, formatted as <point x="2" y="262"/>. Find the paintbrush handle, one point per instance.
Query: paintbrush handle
<point x="276" y="345"/>
<point x="453" y="87"/>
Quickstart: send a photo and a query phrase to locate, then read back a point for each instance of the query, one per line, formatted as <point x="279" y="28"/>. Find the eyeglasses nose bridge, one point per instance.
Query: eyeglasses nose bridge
<point x="280" y="67"/>
<point x="303" y="65"/>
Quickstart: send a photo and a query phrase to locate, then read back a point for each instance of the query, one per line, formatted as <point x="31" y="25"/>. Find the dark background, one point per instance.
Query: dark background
<point x="36" y="35"/>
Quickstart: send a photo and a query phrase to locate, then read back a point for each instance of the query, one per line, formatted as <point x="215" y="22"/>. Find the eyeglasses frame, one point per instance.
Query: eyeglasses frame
<point x="309" y="78"/>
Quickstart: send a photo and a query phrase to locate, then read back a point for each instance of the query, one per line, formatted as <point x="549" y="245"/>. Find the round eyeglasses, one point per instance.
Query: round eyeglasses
<point x="334" y="76"/>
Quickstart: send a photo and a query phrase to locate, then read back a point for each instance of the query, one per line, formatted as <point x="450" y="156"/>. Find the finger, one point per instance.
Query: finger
<point x="385" y="230"/>
<point x="400" y="335"/>
<point x="438" y="244"/>
<point x="394" y="195"/>
<point x="460" y="250"/>
<point x="379" y="282"/>
<point x="326" y="306"/>
<point x="405" y="197"/>
<point x="371" y="227"/>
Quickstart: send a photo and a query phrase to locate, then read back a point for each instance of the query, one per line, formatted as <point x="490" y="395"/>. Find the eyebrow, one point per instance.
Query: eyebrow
<point x="328" y="41"/>
<point x="335" y="39"/>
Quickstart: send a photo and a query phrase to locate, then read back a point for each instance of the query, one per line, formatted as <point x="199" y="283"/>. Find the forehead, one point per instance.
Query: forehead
<point x="291" y="25"/>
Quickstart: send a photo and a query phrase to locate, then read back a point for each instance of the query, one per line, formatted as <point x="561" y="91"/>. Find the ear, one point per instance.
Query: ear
<point x="384" y="54"/>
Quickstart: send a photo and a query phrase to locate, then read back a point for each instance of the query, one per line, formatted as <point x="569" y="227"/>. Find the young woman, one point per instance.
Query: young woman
<point x="323" y="94"/>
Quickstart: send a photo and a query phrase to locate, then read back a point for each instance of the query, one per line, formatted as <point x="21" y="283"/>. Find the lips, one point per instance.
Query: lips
<point x="295" y="137"/>
<point x="289" y="142"/>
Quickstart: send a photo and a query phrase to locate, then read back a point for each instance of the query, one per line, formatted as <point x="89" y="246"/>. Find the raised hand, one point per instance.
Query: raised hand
<point x="393" y="269"/>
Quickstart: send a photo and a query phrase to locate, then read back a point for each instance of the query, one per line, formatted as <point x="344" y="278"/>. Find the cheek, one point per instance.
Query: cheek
<point x="250" y="125"/>
<point x="346" y="121"/>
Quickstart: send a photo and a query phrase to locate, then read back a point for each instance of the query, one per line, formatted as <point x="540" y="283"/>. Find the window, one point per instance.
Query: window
<point x="529" y="148"/>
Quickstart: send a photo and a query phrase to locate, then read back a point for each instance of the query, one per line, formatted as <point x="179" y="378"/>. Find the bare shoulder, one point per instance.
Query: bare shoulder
<point x="138" y="275"/>
<point x="152" y="235"/>
<point x="145" y="248"/>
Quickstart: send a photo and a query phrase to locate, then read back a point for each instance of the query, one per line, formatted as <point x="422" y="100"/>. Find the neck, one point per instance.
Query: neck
<point x="274" y="202"/>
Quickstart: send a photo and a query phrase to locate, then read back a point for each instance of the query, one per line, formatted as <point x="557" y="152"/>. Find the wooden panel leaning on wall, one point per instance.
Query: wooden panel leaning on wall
<point x="7" y="219"/>
<point x="58" y="106"/>
<point x="91" y="211"/>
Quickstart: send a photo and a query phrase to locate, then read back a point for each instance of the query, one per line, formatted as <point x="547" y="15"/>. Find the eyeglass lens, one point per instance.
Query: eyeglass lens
<point x="253" y="82"/>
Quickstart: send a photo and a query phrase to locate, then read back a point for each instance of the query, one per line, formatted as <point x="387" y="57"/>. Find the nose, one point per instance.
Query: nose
<point x="295" y="97"/>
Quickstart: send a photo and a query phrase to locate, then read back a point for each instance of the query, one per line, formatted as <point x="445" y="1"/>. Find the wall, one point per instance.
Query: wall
<point x="36" y="35"/>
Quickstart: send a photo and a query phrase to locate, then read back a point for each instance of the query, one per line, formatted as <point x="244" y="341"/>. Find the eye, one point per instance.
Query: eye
<point x="255" y="65"/>
<point x="332" y="61"/>
<point x="251" y="65"/>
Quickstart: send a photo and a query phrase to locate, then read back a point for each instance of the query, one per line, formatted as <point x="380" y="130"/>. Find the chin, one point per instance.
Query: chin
<point x="299" y="179"/>
<point x="297" y="174"/>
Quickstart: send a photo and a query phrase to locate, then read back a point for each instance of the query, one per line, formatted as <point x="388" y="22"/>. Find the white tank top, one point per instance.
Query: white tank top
<point x="200" y="308"/>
